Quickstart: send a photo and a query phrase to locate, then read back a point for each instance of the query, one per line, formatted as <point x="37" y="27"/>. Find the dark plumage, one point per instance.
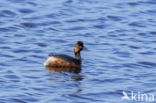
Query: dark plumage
<point x="66" y="58"/>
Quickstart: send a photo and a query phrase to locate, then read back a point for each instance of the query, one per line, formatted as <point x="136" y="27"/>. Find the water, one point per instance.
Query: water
<point x="120" y="36"/>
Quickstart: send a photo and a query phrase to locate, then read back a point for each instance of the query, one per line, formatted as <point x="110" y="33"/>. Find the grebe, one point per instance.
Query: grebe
<point x="65" y="60"/>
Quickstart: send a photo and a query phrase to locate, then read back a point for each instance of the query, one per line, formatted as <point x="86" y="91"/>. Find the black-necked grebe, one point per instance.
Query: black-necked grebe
<point x="65" y="60"/>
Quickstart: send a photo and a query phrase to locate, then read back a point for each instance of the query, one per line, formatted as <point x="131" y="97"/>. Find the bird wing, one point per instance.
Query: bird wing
<point x="66" y="58"/>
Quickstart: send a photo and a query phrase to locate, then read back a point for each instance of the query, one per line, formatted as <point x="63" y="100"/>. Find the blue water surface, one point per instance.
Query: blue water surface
<point x="120" y="36"/>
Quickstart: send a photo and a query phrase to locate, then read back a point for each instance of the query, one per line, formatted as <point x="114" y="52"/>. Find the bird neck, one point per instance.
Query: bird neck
<point x="78" y="56"/>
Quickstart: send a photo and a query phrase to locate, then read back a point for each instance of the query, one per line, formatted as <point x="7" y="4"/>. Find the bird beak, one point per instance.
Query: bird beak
<point x="84" y="48"/>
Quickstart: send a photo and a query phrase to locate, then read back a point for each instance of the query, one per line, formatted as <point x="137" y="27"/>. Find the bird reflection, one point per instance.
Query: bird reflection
<point x="65" y="72"/>
<point x="63" y="69"/>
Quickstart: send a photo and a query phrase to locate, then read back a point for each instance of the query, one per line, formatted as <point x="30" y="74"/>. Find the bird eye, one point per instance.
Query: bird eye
<point x="81" y="47"/>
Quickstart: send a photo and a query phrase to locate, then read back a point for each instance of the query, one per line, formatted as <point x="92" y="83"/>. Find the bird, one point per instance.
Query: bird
<point x="62" y="60"/>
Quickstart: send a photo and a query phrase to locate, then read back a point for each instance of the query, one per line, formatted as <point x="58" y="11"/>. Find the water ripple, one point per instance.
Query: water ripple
<point x="115" y="18"/>
<point x="18" y="100"/>
<point x="25" y="11"/>
<point x="7" y="13"/>
<point x="145" y="63"/>
<point x="29" y="25"/>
